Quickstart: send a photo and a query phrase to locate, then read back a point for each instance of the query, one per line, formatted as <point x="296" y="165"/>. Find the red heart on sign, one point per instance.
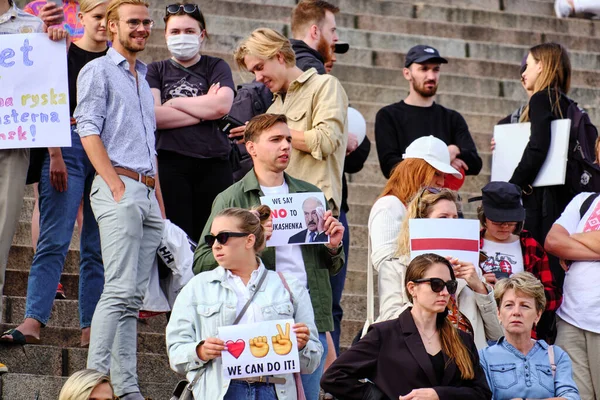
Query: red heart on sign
<point x="235" y="348"/>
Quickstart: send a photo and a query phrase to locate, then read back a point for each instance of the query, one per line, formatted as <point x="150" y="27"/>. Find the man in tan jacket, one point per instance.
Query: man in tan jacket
<point x="315" y="105"/>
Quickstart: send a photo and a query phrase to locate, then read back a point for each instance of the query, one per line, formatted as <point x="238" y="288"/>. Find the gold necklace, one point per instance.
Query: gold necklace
<point x="423" y="335"/>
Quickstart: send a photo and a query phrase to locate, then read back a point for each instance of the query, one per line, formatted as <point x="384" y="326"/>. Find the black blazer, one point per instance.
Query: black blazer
<point x="392" y="355"/>
<point x="300" y="237"/>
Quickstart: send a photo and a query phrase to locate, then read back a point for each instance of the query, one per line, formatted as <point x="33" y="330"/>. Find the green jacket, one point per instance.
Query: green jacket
<point x="319" y="262"/>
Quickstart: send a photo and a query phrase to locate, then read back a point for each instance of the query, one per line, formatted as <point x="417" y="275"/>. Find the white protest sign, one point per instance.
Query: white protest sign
<point x="511" y="140"/>
<point x="34" y="92"/>
<point x="297" y="218"/>
<point x="447" y="237"/>
<point x="262" y="348"/>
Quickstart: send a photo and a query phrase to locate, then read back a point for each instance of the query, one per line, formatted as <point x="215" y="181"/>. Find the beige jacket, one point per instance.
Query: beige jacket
<point x="318" y="106"/>
<point x="481" y="310"/>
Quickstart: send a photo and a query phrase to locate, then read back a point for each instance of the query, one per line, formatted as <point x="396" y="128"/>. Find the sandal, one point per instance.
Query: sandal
<point x="18" y="338"/>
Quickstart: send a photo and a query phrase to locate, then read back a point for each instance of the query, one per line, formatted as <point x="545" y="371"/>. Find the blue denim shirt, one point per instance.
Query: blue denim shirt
<point x="511" y="375"/>
<point x="113" y="104"/>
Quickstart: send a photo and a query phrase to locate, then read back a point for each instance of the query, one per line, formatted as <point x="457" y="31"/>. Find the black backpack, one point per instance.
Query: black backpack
<point x="251" y="99"/>
<point x="583" y="175"/>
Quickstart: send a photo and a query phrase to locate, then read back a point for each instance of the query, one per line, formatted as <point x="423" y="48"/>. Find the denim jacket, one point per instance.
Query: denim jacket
<point x="510" y="374"/>
<point x="208" y="302"/>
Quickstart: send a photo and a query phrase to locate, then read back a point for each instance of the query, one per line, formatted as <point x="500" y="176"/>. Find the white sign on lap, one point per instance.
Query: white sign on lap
<point x="262" y="348"/>
<point x="34" y="92"/>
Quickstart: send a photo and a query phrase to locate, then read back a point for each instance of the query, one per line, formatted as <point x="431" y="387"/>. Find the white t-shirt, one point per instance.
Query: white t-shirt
<point x="581" y="296"/>
<point x="288" y="258"/>
<point x="503" y="257"/>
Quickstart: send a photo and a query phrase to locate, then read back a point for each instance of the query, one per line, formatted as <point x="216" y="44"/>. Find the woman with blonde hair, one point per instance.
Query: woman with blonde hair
<point x="65" y="183"/>
<point x="420" y="354"/>
<point x="548" y="75"/>
<point x="510" y="364"/>
<point x="239" y="291"/>
<point x="472" y="308"/>
<point x="87" y="384"/>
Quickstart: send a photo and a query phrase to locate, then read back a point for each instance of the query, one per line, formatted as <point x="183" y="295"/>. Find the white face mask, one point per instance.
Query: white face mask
<point x="184" y="47"/>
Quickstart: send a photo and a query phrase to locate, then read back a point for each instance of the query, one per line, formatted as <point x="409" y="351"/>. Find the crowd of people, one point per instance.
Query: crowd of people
<point x="447" y="328"/>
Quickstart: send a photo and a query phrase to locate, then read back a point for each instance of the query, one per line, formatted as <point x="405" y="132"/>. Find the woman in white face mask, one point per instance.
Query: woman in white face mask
<point x="191" y="91"/>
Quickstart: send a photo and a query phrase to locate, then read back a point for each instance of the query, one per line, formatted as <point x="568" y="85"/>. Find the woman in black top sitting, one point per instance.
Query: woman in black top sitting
<point x="191" y="91"/>
<point x="419" y="355"/>
<point x="548" y="74"/>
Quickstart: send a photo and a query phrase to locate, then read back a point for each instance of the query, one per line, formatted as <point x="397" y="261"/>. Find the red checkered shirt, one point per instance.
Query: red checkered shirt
<point x="535" y="260"/>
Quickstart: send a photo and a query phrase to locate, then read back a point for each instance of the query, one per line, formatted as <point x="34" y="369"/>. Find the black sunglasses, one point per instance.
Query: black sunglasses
<point x="222" y="237"/>
<point x="187" y="8"/>
<point x="437" y="284"/>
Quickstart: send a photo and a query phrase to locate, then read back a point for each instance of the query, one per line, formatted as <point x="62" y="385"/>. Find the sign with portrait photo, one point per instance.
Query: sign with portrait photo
<point x="262" y="348"/>
<point x="297" y="218"/>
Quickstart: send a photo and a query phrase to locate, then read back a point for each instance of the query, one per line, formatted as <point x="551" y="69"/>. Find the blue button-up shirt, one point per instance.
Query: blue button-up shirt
<point x="511" y="375"/>
<point x="110" y="103"/>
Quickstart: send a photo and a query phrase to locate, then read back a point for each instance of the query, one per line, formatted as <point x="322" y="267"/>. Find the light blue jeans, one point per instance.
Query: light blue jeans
<point x="312" y="382"/>
<point x="130" y="233"/>
<point x="250" y="391"/>
<point x="58" y="211"/>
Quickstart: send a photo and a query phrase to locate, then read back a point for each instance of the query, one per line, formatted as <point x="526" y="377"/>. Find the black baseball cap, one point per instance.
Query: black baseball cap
<point x="422" y="53"/>
<point x="502" y="202"/>
<point x="341" y="48"/>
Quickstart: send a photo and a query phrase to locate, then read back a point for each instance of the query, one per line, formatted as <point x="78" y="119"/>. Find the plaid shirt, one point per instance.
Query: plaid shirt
<point x="535" y="260"/>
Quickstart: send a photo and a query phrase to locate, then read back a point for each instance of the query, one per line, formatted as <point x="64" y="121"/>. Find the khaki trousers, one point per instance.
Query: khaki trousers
<point x="584" y="349"/>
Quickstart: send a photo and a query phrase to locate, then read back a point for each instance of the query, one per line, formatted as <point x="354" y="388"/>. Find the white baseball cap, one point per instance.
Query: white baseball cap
<point x="434" y="151"/>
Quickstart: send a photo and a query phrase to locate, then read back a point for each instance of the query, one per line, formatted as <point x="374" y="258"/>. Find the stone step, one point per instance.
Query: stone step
<point x="23" y="236"/>
<point x="236" y="28"/>
<point x="151" y="343"/>
<point x="54" y="361"/>
<point x="403" y="24"/>
<point x="16" y="386"/>
<point x="65" y="314"/>
<point x="21" y="257"/>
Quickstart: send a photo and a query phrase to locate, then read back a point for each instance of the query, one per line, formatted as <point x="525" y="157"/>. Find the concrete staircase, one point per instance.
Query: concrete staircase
<point x="484" y="41"/>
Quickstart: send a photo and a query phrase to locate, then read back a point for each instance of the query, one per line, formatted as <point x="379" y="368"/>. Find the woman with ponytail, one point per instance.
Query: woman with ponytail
<point x="419" y="355"/>
<point x="548" y="75"/>
<point x="219" y="298"/>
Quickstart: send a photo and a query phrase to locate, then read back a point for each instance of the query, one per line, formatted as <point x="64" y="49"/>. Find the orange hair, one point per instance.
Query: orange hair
<point x="407" y="178"/>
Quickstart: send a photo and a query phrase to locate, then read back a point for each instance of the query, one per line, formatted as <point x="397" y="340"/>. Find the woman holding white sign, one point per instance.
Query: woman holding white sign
<point x="240" y="290"/>
<point x="473" y="308"/>
<point x="548" y="74"/>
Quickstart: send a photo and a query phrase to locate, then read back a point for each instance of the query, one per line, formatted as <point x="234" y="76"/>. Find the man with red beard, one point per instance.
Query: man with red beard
<point x="314" y="34"/>
<point x="115" y="119"/>
<point x="399" y="124"/>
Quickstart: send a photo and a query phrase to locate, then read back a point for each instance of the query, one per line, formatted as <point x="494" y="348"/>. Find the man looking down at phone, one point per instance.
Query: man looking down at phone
<point x="191" y="91"/>
<point x="269" y="143"/>
<point x="316" y="107"/>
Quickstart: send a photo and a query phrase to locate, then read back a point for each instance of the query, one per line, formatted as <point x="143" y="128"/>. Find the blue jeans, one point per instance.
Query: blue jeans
<point x="312" y="382"/>
<point x="250" y="391"/>
<point x="58" y="211"/>
<point x="337" y="287"/>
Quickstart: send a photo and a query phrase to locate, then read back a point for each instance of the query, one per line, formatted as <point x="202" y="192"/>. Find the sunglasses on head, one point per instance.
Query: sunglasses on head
<point x="437" y="284"/>
<point x="222" y="237"/>
<point x="187" y="8"/>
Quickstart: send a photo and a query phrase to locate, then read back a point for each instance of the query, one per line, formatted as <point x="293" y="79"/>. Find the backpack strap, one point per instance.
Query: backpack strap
<point x="585" y="206"/>
<point x="551" y="357"/>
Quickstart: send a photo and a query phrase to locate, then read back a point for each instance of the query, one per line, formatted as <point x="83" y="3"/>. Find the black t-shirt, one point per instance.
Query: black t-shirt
<point x="203" y="140"/>
<point x="399" y="124"/>
<point x="76" y="60"/>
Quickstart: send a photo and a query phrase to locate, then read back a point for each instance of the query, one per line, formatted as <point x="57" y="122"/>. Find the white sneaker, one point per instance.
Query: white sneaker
<point x="562" y="8"/>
